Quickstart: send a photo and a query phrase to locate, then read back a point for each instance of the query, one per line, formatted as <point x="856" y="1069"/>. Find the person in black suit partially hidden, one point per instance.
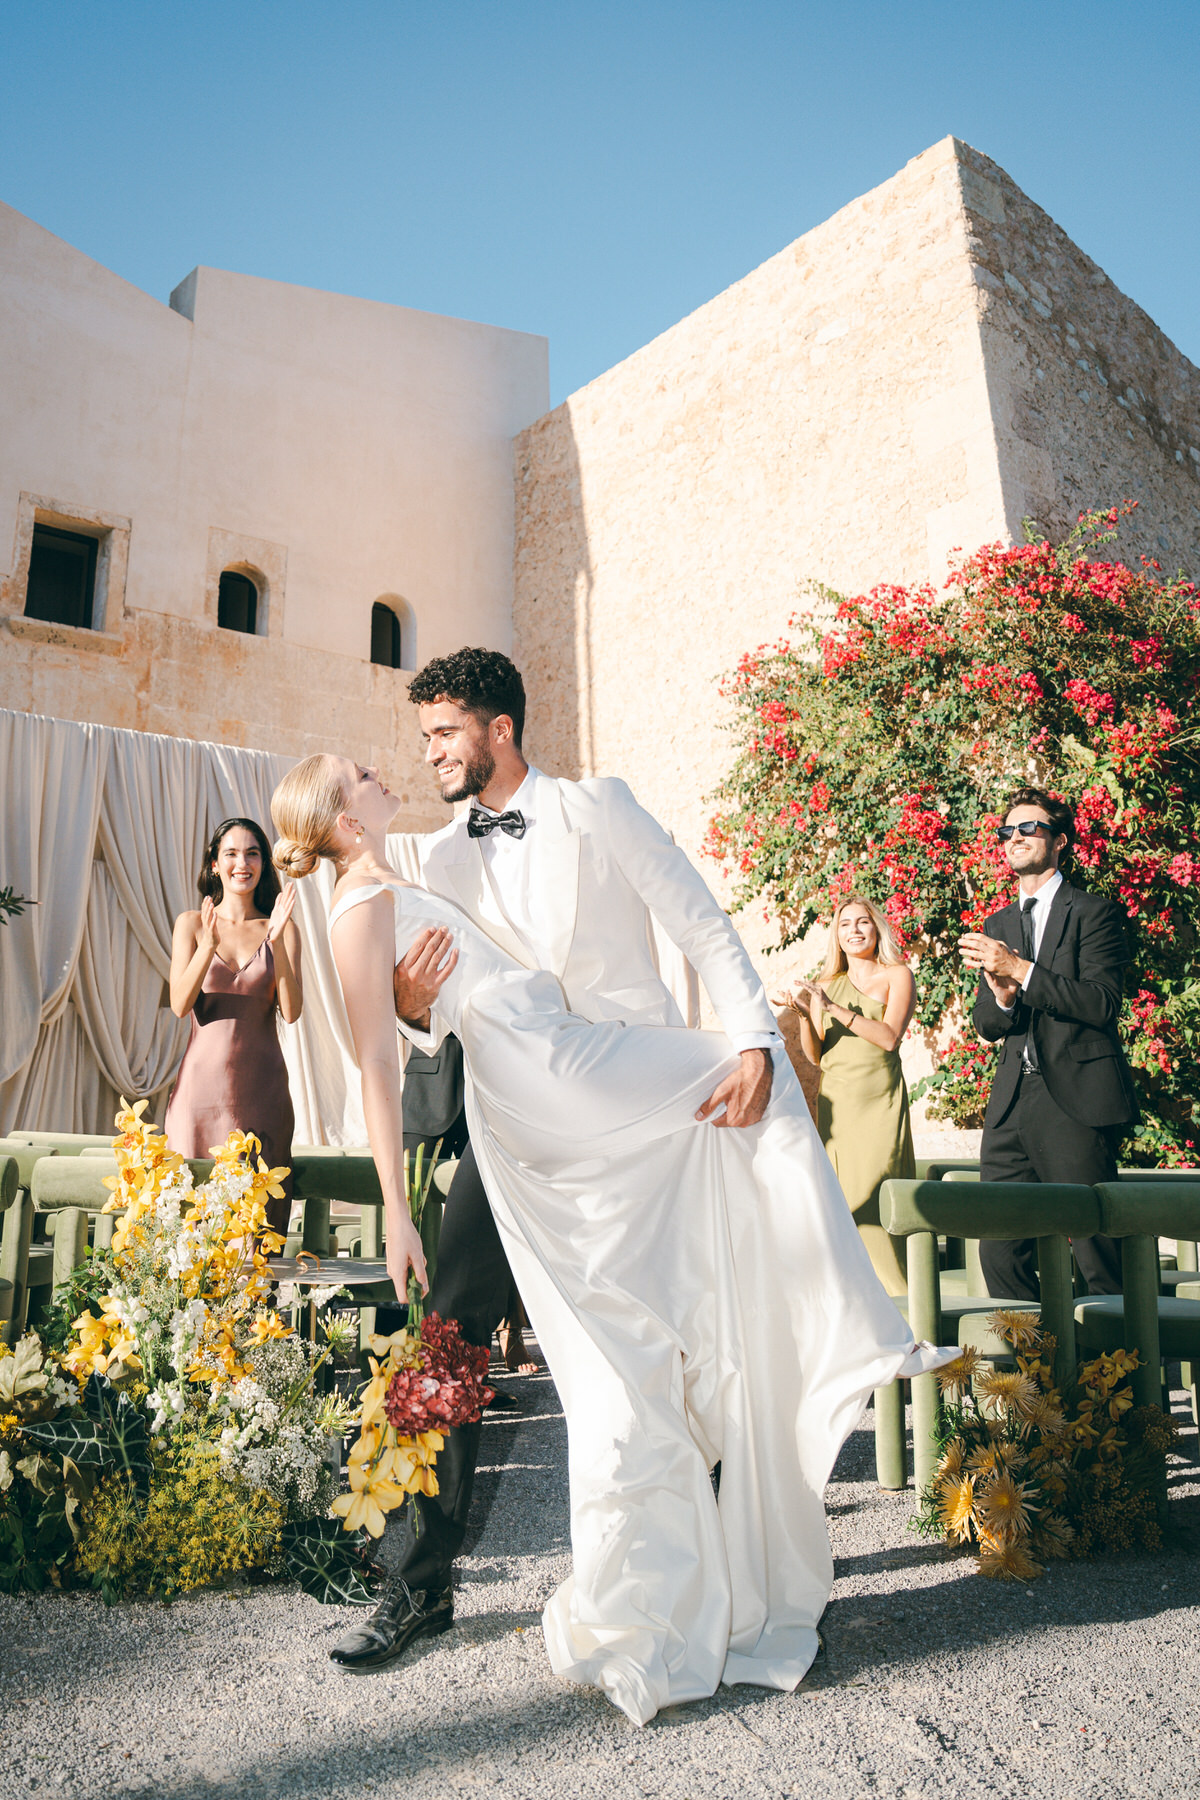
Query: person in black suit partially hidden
<point x="1050" y="977"/>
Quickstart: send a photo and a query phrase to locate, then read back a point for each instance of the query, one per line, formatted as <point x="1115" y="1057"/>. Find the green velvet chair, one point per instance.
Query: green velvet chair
<point x="921" y="1211"/>
<point x="10" y="1284"/>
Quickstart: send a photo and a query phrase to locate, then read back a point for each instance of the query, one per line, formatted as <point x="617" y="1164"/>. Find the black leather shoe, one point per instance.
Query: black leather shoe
<point x="502" y="1401"/>
<point x="401" y="1617"/>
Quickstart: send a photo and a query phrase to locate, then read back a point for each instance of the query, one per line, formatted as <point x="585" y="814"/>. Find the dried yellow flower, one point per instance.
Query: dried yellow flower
<point x="1023" y="1330"/>
<point x="1012" y="1392"/>
<point x="956" y="1378"/>
<point x="1004" y="1507"/>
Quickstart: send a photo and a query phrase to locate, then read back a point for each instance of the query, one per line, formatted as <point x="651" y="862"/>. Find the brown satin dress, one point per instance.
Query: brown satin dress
<point x="233" y="1076"/>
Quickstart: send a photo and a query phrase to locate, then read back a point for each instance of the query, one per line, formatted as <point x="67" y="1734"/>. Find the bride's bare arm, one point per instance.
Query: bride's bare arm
<point x="364" y="950"/>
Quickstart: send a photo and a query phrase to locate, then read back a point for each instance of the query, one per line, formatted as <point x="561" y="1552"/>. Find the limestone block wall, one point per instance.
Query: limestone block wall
<point x="1090" y="403"/>
<point x="905" y="380"/>
<point x="826" y="419"/>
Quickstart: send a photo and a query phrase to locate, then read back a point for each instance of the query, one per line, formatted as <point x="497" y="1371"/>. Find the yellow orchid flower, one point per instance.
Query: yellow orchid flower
<point x="367" y="1502"/>
<point x="267" y="1326"/>
<point x="271" y="1179"/>
<point x="239" y="1146"/>
<point x="377" y="1387"/>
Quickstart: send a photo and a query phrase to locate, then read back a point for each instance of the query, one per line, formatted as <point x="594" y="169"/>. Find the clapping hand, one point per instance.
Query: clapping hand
<point x="805" y="996"/>
<point x="1002" y="968"/>
<point x="281" y="912"/>
<point x="209" y="929"/>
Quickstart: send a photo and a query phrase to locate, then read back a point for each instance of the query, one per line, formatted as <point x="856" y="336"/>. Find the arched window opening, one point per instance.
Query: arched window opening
<point x="237" y="602"/>
<point x="387" y="637"/>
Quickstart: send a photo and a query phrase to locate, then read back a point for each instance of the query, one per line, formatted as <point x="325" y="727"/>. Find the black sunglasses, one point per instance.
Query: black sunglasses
<point x="1027" y="828"/>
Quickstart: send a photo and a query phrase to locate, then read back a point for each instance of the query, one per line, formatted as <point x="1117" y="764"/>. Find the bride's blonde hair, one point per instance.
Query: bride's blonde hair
<point x="304" y="809"/>
<point x="887" y="950"/>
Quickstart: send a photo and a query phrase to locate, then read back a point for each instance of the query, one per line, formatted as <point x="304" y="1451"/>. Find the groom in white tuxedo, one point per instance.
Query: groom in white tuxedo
<point x="574" y="877"/>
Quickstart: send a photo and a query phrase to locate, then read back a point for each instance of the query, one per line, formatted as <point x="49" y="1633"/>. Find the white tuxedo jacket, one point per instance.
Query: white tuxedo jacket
<point x="607" y="871"/>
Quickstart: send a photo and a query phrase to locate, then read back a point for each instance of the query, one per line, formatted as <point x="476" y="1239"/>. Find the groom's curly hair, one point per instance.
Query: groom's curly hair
<point x="483" y="682"/>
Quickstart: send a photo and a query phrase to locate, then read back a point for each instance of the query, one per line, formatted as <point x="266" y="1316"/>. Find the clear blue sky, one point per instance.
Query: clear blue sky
<point x="589" y="172"/>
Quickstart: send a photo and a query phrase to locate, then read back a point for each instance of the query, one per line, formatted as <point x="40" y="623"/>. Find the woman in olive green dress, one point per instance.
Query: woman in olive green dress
<point x="852" y="1022"/>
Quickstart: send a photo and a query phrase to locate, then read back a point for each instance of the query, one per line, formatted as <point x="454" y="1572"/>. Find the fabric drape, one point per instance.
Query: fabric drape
<point x="105" y="829"/>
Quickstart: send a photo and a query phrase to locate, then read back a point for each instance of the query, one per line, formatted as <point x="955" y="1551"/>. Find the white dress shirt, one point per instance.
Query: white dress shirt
<point x="1042" y="901"/>
<point x="511" y="864"/>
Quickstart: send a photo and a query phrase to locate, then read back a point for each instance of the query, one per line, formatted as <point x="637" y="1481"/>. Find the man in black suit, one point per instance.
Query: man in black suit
<point x="1050" y="976"/>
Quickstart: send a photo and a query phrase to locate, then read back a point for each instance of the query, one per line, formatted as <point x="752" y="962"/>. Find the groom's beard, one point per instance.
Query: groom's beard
<point x="472" y="779"/>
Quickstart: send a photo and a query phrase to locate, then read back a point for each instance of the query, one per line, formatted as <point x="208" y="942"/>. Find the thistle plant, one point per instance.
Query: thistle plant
<point x="1025" y="1475"/>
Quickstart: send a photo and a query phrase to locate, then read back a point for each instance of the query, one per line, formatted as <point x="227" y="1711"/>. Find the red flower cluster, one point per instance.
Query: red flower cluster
<point x="448" y="1389"/>
<point x="1087" y="700"/>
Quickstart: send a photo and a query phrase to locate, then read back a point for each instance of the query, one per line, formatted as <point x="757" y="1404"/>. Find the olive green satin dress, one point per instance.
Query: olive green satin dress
<point x="862" y="1116"/>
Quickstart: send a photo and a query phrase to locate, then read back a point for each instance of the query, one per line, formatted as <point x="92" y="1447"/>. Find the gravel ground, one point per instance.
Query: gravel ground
<point x="934" y="1683"/>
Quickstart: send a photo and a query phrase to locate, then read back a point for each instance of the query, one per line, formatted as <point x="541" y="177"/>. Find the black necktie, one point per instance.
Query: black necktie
<point x="1029" y="952"/>
<point x="482" y="824"/>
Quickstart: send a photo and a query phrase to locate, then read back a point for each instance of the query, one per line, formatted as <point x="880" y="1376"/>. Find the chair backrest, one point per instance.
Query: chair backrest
<point x="999" y="1209"/>
<point x="26" y="1155"/>
<point x="67" y="1143"/>
<point x="70" y="1181"/>
<point x="350" y="1179"/>
<point x="1150" y="1208"/>
<point x="10" y="1181"/>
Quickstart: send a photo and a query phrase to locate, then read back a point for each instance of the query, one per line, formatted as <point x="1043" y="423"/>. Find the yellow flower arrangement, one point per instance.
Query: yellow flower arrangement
<point x="1023" y="1476"/>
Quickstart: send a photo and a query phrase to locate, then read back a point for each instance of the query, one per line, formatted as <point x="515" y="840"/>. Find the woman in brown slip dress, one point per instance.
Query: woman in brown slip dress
<point x="852" y="1022"/>
<point x="233" y="964"/>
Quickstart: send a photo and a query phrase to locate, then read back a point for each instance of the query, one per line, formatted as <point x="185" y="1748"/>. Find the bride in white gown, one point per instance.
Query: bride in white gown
<point x="701" y="1295"/>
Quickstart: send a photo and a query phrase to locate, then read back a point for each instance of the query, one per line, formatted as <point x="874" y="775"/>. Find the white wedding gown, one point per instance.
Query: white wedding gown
<point x="701" y="1296"/>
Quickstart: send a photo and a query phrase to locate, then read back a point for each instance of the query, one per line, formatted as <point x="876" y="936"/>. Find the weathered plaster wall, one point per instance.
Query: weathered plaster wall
<point x="340" y="449"/>
<point x="1090" y="403"/>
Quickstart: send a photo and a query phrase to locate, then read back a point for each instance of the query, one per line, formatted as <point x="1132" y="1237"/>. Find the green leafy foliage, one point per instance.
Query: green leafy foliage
<point x="82" y="1292"/>
<point x="875" y="746"/>
<point x="329" y="1563"/>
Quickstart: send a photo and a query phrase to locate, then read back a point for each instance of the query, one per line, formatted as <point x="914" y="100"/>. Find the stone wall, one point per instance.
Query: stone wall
<point x="903" y="381"/>
<point x="1090" y="403"/>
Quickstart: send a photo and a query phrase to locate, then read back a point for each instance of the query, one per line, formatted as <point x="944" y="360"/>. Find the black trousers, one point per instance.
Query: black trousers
<point x="1037" y="1141"/>
<point x="474" y="1285"/>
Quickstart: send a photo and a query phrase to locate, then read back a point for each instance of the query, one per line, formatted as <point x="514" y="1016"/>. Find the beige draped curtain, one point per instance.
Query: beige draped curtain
<point x="105" y="830"/>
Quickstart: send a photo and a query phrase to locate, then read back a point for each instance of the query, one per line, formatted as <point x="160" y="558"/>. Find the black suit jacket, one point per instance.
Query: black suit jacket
<point x="433" y="1089"/>
<point x="1069" y="1009"/>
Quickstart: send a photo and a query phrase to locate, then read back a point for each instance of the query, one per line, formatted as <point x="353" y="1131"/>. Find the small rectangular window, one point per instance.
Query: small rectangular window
<point x="62" y="577"/>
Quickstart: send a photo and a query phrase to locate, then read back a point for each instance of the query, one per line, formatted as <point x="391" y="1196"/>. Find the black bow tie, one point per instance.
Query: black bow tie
<point x="482" y="824"/>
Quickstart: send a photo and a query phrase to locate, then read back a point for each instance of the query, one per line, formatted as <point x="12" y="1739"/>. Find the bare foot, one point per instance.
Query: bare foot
<point x="512" y="1348"/>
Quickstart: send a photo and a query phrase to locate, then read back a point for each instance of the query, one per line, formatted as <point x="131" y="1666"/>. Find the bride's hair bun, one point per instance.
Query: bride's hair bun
<point x="294" y="860"/>
<point x="305" y="808"/>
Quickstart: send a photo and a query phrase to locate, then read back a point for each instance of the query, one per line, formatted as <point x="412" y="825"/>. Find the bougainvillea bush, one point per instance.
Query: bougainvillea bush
<point x="877" y="743"/>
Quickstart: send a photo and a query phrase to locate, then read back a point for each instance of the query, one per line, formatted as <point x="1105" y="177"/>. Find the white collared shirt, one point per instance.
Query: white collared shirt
<point x="1042" y="902"/>
<point x="509" y="862"/>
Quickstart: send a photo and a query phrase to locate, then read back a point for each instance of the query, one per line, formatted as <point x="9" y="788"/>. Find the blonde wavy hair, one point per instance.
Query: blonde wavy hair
<point x="304" y="811"/>
<point x="887" y="950"/>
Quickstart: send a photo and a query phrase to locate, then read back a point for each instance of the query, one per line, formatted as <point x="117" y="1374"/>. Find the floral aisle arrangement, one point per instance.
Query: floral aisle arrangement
<point x="424" y="1379"/>
<point x="1026" y="1475"/>
<point x="170" y="1430"/>
<point x="874" y="745"/>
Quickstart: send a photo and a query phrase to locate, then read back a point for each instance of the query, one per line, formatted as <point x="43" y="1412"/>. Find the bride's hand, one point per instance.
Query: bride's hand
<point x="209" y="929"/>
<point x="422" y="973"/>
<point x="281" y="912"/>
<point x="404" y="1252"/>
